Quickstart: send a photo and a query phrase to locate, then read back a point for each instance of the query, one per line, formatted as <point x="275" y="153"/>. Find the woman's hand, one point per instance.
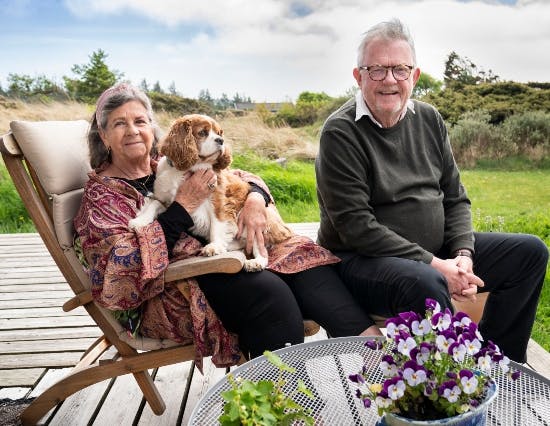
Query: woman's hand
<point x="253" y="218"/>
<point x="194" y="188"/>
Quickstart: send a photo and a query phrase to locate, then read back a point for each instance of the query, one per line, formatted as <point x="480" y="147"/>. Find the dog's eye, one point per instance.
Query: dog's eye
<point x="203" y="133"/>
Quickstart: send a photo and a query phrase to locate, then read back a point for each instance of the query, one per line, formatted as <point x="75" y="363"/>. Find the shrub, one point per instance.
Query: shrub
<point x="473" y="137"/>
<point x="530" y="131"/>
<point x="309" y="108"/>
<point x="178" y="105"/>
<point x="501" y="100"/>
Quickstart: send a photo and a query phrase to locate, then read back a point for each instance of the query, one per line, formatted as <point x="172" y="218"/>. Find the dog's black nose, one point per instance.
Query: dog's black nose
<point x="219" y="141"/>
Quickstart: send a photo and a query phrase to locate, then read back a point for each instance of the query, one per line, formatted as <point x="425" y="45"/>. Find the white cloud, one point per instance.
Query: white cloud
<point x="275" y="49"/>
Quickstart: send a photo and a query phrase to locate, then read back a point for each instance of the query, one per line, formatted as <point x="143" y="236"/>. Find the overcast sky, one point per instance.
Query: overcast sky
<point x="270" y="50"/>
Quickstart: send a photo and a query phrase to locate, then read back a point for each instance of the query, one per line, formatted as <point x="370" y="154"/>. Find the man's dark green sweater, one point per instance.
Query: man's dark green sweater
<point x="390" y="191"/>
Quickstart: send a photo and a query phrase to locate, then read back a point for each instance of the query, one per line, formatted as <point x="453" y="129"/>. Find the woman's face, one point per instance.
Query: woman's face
<point x="129" y="134"/>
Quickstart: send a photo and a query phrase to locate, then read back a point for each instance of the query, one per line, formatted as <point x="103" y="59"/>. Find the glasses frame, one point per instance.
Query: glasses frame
<point x="392" y="68"/>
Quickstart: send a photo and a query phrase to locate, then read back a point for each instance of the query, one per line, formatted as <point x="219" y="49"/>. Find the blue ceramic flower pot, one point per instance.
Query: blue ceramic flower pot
<point x="476" y="417"/>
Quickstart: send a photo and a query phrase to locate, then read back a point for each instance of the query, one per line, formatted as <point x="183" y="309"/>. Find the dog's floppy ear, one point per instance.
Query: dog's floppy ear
<point x="223" y="160"/>
<point x="180" y="145"/>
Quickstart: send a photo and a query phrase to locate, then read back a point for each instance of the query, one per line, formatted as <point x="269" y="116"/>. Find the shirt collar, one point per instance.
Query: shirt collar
<point x="362" y="109"/>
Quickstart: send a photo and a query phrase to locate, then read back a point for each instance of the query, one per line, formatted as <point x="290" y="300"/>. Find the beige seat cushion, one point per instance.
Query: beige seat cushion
<point x="57" y="150"/>
<point x="64" y="209"/>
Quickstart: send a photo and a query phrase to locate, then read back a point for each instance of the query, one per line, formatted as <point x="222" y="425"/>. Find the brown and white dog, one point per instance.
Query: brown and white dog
<point x="196" y="141"/>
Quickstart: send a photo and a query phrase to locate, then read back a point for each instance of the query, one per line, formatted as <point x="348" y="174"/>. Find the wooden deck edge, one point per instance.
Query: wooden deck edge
<point x="538" y="358"/>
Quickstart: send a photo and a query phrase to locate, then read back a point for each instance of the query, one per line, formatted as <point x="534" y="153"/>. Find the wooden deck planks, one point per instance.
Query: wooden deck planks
<point x="38" y="341"/>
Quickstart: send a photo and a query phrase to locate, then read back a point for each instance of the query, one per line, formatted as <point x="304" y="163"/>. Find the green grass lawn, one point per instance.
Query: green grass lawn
<point x="515" y="202"/>
<point x="499" y="193"/>
<point x="501" y="201"/>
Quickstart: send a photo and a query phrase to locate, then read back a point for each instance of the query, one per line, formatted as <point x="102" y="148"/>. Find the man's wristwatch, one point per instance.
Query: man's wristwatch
<point x="464" y="252"/>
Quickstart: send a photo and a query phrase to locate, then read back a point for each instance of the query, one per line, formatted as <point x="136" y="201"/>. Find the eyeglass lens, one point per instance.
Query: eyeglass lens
<point x="378" y="73"/>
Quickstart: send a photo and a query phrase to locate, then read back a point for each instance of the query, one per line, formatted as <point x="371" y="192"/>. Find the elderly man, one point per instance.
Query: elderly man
<point x="394" y="209"/>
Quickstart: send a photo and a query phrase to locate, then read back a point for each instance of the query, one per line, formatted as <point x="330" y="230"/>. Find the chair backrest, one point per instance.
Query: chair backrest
<point x="58" y="154"/>
<point x="48" y="162"/>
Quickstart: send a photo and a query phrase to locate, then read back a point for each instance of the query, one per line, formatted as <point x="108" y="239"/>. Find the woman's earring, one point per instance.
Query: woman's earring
<point x="109" y="153"/>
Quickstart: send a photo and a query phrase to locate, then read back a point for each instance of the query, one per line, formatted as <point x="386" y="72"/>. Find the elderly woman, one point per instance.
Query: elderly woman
<point x="222" y="314"/>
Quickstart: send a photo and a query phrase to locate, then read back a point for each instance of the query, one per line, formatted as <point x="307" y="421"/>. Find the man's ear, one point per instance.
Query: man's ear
<point x="357" y="76"/>
<point x="416" y="76"/>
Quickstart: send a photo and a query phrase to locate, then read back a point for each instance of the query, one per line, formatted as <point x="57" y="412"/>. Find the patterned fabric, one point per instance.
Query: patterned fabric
<point x="297" y="254"/>
<point x="126" y="269"/>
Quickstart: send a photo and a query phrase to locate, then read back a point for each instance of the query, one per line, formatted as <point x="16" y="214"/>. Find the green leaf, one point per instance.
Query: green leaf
<point x="278" y="362"/>
<point x="302" y="388"/>
<point x="263" y="402"/>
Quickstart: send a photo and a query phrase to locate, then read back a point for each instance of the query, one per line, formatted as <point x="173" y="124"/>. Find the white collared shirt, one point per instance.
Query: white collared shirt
<point x="362" y="109"/>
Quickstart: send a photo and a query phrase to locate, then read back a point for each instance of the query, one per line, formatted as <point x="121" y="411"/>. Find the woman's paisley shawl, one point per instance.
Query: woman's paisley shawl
<point x="126" y="268"/>
<point x="297" y="254"/>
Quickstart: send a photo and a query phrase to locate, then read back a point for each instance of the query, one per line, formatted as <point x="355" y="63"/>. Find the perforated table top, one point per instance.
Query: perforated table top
<point x="325" y="365"/>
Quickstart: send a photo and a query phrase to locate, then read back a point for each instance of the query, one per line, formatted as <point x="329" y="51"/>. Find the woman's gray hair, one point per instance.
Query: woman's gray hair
<point x="110" y="100"/>
<point x="390" y="30"/>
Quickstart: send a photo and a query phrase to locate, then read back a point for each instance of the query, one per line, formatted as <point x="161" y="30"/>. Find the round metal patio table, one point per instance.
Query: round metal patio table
<point x="324" y="366"/>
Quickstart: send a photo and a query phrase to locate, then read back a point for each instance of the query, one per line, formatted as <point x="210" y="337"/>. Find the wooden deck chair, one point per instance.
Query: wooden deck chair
<point x="48" y="163"/>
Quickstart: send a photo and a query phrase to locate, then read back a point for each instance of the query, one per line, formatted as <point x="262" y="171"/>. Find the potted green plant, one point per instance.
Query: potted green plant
<point x="264" y="402"/>
<point x="434" y="367"/>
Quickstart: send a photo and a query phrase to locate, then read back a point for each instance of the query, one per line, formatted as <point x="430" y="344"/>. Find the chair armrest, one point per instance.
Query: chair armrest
<point x="228" y="263"/>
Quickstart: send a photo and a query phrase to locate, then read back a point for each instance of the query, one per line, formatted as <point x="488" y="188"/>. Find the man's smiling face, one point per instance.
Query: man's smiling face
<point x="386" y="98"/>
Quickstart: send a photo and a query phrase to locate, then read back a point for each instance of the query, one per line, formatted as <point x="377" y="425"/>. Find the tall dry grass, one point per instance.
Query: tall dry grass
<point x="11" y="109"/>
<point x="250" y="133"/>
<point x="245" y="133"/>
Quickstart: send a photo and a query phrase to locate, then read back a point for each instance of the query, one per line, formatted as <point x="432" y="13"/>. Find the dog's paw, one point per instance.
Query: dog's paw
<point x="255" y="265"/>
<point x="213" y="249"/>
<point x="138" y="222"/>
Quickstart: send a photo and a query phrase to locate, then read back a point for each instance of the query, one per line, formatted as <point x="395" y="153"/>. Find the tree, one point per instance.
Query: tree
<point x="25" y="86"/>
<point x="461" y="72"/>
<point x="309" y="108"/>
<point x="224" y="102"/>
<point x="144" y="86"/>
<point x="426" y="84"/>
<point x="157" y="88"/>
<point x="172" y="88"/>
<point x="93" y="79"/>
<point x="312" y="98"/>
<point x="19" y="84"/>
<point x="204" y="96"/>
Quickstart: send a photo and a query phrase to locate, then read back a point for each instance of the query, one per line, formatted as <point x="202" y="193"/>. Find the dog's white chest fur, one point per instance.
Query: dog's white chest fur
<point x="202" y="219"/>
<point x="167" y="182"/>
<point x="219" y="234"/>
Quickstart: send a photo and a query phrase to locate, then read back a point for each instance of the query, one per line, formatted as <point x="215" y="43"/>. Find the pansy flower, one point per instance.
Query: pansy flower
<point x="440" y="358"/>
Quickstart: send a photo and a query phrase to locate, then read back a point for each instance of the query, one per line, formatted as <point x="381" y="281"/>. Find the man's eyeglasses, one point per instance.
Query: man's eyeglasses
<point x="378" y="72"/>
